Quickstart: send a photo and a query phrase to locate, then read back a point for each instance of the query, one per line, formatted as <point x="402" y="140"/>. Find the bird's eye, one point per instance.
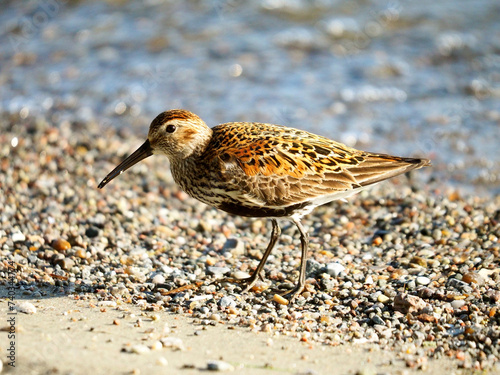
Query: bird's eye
<point x="170" y="128"/>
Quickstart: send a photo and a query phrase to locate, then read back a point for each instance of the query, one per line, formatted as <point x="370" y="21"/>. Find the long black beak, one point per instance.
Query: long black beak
<point x="141" y="153"/>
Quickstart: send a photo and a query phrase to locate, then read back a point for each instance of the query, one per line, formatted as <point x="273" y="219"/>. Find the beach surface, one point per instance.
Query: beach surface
<point x="67" y="336"/>
<point x="140" y="278"/>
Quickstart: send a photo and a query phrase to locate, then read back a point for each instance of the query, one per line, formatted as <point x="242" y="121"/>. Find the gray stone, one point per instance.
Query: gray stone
<point x="334" y="269"/>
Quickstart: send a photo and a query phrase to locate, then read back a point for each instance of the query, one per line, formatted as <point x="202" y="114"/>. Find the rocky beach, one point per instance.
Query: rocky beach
<point x="139" y="278"/>
<point x="406" y="266"/>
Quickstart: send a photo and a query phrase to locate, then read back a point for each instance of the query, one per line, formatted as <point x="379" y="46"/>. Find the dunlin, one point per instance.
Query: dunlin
<point x="262" y="170"/>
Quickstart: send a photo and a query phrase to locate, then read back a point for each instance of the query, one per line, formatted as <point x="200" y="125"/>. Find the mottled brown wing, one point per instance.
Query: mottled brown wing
<point x="294" y="166"/>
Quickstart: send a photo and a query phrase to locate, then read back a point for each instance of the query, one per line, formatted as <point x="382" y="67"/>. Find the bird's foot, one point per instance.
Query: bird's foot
<point x="294" y="293"/>
<point x="249" y="282"/>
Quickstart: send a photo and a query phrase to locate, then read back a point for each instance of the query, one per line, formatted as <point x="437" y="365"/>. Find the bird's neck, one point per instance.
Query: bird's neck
<point x="190" y="146"/>
<point x="198" y="146"/>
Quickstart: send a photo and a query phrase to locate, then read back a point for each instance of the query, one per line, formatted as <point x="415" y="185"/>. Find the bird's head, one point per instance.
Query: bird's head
<point x="177" y="133"/>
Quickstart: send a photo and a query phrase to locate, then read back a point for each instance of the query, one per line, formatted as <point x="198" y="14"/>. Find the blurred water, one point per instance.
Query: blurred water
<point x="402" y="77"/>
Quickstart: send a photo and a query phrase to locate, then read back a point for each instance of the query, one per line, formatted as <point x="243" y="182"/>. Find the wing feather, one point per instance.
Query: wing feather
<point x="283" y="166"/>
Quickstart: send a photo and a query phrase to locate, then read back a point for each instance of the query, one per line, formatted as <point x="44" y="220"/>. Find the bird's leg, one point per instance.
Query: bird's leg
<point x="304" y="240"/>
<point x="257" y="274"/>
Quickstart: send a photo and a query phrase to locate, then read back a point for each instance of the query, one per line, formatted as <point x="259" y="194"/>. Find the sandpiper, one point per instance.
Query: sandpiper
<point x="262" y="170"/>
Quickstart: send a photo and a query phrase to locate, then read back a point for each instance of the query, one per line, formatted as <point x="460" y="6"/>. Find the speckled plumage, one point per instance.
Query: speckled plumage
<point x="262" y="170"/>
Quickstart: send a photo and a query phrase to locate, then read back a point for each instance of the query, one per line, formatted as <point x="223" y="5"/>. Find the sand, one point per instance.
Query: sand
<point x="68" y="336"/>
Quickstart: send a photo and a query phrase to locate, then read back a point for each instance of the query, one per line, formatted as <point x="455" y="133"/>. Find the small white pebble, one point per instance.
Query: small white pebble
<point x="18" y="237"/>
<point x="107" y="304"/>
<point x="215" y="317"/>
<point x="235" y="70"/>
<point x="422" y="280"/>
<point x="180" y="240"/>
<point x="26" y="307"/>
<point x="172" y="342"/>
<point x="334" y="269"/>
<point x="162" y="361"/>
<point x="240" y="275"/>
<point x="157" y="345"/>
<point x="139" y="349"/>
<point x="347" y="285"/>
<point x="382" y="298"/>
<point x="158" y="279"/>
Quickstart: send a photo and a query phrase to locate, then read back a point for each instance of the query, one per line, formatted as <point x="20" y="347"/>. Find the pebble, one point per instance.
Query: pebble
<point x="279" y="299"/>
<point x="382" y="298"/>
<point x="416" y="260"/>
<point x="312" y="267"/>
<point x="347" y="285"/>
<point x="18" y="237"/>
<point x="157" y="345"/>
<point x="235" y="246"/>
<point x="458" y="284"/>
<point x="406" y="303"/>
<point x="61" y="245"/>
<point x="215" y="317"/>
<point x="26" y="307"/>
<point x="240" y="275"/>
<point x="199" y="300"/>
<point x="204" y="226"/>
<point x="227" y="302"/>
<point x="473" y="278"/>
<point x="219" y="366"/>
<point x="65" y="263"/>
<point x="423" y="280"/>
<point x="139" y="349"/>
<point x="158" y="279"/>
<point x="494" y="295"/>
<point x="92" y="232"/>
<point x="457" y="304"/>
<point x="81" y="253"/>
<point x="162" y="361"/>
<point x="174" y="343"/>
<point x="378" y="320"/>
<point x="334" y="269"/>
<point x="437" y="234"/>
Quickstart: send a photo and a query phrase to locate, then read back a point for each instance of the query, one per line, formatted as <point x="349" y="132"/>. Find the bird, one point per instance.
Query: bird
<point x="262" y="170"/>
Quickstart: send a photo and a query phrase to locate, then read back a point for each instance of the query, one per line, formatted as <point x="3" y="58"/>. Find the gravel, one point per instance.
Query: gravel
<point x="415" y="269"/>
